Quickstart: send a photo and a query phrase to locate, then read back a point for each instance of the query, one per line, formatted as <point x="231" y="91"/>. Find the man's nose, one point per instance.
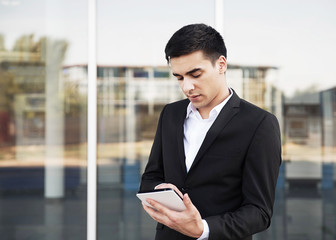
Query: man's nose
<point x="188" y="85"/>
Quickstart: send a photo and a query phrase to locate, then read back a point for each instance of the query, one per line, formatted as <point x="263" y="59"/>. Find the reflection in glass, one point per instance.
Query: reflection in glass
<point x="130" y="100"/>
<point x="43" y="94"/>
<point x="42" y="142"/>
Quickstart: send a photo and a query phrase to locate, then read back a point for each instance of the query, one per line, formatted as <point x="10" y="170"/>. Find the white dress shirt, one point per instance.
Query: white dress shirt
<point x="195" y="130"/>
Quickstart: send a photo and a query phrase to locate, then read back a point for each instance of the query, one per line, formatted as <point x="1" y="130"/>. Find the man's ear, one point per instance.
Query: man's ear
<point x="221" y="61"/>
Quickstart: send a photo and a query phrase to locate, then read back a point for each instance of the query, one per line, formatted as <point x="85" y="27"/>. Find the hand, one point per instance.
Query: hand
<point x="169" y="185"/>
<point x="187" y="222"/>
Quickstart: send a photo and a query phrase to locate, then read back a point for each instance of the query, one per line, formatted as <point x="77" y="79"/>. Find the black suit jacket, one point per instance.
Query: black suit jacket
<point x="233" y="177"/>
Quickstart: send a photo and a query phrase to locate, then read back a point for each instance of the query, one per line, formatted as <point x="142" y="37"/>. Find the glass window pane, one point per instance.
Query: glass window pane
<point x="43" y="119"/>
<point x="134" y="84"/>
<point x="269" y="64"/>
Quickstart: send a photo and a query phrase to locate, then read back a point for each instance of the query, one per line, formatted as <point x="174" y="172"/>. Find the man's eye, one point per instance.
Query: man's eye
<point x="196" y="76"/>
<point x="179" y="78"/>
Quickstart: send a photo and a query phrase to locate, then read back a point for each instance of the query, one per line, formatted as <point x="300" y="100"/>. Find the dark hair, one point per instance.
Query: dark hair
<point x="196" y="37"/>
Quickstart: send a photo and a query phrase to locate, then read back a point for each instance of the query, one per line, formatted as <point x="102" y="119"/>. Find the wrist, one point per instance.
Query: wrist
<point x="205" y="231"/>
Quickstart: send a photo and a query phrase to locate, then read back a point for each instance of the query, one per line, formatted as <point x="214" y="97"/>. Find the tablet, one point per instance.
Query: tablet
<point x="166" y="196"/>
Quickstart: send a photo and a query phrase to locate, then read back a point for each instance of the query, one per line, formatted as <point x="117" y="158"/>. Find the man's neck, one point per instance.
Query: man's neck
<point x="206" y="112"/>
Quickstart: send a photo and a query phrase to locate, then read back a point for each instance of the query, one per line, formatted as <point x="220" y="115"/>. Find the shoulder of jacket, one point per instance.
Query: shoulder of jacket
<point x="254" y="110"/>
<point x="178" y="104"/>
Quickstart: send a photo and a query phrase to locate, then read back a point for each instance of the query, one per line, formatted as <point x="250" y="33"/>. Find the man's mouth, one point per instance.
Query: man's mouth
<point x="194" y="97"/>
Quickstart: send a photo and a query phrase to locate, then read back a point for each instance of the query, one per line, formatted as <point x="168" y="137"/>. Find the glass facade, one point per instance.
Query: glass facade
<point x="43" y="121"/>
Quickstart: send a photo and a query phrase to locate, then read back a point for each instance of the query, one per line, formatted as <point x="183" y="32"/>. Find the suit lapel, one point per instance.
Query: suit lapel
<point x="180" y="136"/>
<point x="226" y="114"/>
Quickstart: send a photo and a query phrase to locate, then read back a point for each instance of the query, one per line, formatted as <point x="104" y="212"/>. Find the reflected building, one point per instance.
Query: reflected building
<point x="22" y="95"/>
<point x="309" y="170"/>
<point x="309" y="132"/>
<point x="302" y="132"/>
<point x="35" y="114"/>
<point x="130" y="99"/>
<point x="258" y="85"/>
<point x="303" y="120"/>
<point x="30" y="63"/>
<point x="148" y="89"/>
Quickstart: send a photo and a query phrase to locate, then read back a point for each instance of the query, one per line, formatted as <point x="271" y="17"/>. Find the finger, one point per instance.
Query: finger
<point x="178" y="192"/>
<point x="187" y="201"/>
<point x="145" y="206"/>
<point x="156" y="215"/>
<point x="148" y="209"/>
<point x="151" y="211"/>
<point x="162" y="185"/>
<point x="166" y="185"/>
<point x="169" y="185"/>
<point x="159" y="207"/>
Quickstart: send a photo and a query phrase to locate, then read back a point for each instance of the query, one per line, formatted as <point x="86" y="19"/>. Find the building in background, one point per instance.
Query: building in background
<point x="25" y="64"/>
<point x="258" y="85"/>
<point x="309" y="133"/>
<point x="147" y="89"/>
<point x="130" y="99"/>
<point x="32" y="105"/>
<point x="303" y="119"/>
<point x="302" y="134"/>
<point x="31" y="64"/>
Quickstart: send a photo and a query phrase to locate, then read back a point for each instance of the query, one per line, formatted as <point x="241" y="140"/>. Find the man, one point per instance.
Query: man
<point x="221" y="153"/>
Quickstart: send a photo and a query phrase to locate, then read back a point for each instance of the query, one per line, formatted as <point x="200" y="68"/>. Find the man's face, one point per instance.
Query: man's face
<point x="202" y="82"/>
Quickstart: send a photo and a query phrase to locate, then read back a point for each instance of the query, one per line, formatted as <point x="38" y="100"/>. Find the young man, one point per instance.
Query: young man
<point x="219" y="152"/>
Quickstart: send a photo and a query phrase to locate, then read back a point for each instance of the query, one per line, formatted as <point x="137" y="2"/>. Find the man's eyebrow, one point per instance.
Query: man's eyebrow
<point x="188" y="73"/>
<point x="192" y="71"/>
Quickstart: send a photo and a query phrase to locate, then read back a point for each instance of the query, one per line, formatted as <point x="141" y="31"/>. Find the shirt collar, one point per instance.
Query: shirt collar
<point x="214" y="112"/>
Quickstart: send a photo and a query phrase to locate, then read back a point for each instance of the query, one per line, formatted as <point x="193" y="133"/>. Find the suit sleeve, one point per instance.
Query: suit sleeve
<point x="260" y="174"/>
<point x="154" y="174"/>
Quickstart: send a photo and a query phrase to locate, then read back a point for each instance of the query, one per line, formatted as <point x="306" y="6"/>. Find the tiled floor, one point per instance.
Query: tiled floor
<point x="303" y="213"/>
